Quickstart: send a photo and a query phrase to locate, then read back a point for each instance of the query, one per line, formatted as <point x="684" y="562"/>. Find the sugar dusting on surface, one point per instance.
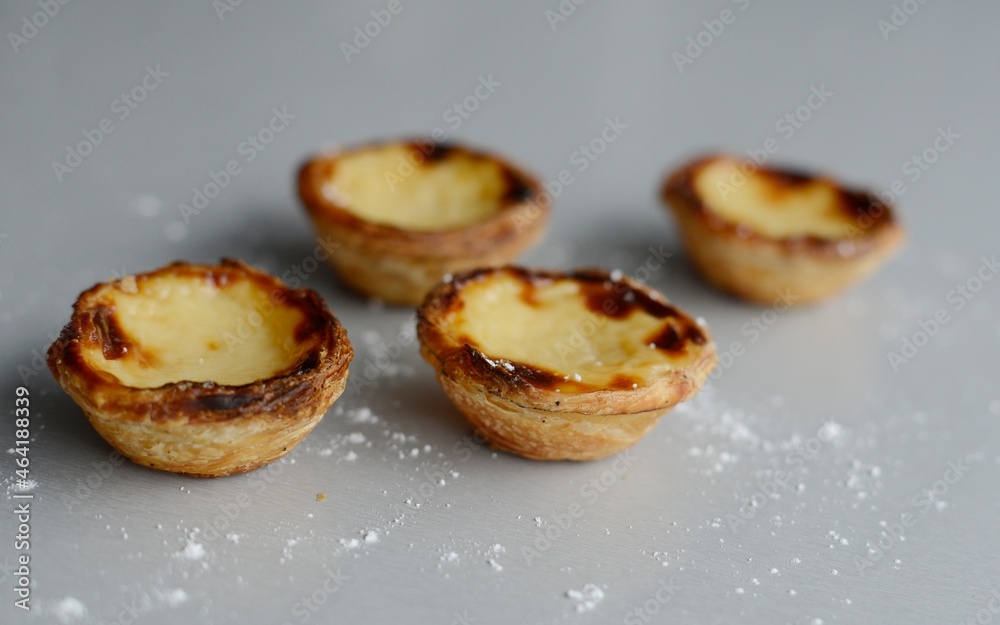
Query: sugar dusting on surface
<point x="21" y="486"/>
<point x="586" y="598"/>
<point x="846" y="459"/>
<point x="192" y="550"/>
<point x="69" y="609"/>
<point x="715" y="443"/>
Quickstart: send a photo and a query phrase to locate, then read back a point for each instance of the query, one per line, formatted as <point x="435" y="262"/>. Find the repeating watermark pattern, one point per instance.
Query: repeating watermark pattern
<point x="87" y="485"/>
<point x="929" y="327"/>
<point x="301" y="271"/>
<point x="932" y="496"/>
<point x="581" y="333"/>
<point x="244" y="326"/>
<point x="752" y="331"/>
<point x="644" y="613"/>
<point x="122" y="107"/>
<point x="231" y="510"/>
<point x="655" y="260"/>
<point x="914" y="168"/>
<point x="563" y="11"/>
<point x="129" y="610"/>
<point x="780" y="479"/>
<point x="309" y="604"/>
<point x="581" y="158"/>
<point x="898" y="17"/>
<point x="249" y="149"/>
<point x="224" y="7"/>
<point x="585" y="155"/>
<point x="463" y="110"/>
<point x="36" y="364"/>
<point x="984" y="616"/>
<point x="436" y="475"/>
<point x="793" y="121"/>
<point x="365" y="374"/>
<point x="30" y="27"/>
<point x="547" y="534"/>
<point x="463" y="618"/>
<point x="786" y="127"/>
<point x="366" y="33"/>
<point x="454" y="116"/>
<point x="703" y="39"/>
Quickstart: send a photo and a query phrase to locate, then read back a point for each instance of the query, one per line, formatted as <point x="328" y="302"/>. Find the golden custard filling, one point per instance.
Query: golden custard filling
<point x="398" y="185"/>
<point x="591" y="332"/>
<point x="770" y="204"/>
<point x="169" y="328"/>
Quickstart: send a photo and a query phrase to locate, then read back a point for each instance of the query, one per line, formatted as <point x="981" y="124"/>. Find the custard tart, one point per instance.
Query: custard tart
<point x="766" y="234"/>
<point x="561" y="366"/>
<point x="401" y="215"/>
<point x="202" y="370"/>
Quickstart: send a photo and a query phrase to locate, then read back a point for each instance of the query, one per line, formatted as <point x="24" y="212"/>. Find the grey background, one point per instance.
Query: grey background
<point x="799" y="558"/>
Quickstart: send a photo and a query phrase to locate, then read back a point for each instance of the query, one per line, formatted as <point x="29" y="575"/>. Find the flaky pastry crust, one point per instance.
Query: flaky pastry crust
<point x="200" y="427"/>
<point x="546" y="414"/>
<point x="399" y="265"/>
<point x="797" y="267"/>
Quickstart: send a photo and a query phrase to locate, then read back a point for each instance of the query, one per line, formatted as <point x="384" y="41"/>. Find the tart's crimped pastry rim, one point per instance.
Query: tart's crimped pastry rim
<point x="524" y="203"/>
<point x="679" y="194"/>
<point x="280" y="394"/>
<point x="467" y="365"/>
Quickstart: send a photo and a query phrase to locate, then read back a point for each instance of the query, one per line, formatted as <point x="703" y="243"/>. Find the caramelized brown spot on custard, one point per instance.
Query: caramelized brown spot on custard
<point x="451" y="301"/>
<point x="862" y="206"/>
<point x="618" y="300"/>
<point x="516" y="189"/>
<point x="536" y="376"/>
<point x="787" y="177"/>
<point x="433" y="152"/>
<point x="527" y="293"/>
<point x="519" y="372"/>
<point x="309" y="326"/>
<point x="310" y="362"/>
<point x="601" y="294"/>
<point x="114" y="341"/>
<point x="866" y="209"/>
<point x="676" y="335"/>
<point x="623" y="382"/>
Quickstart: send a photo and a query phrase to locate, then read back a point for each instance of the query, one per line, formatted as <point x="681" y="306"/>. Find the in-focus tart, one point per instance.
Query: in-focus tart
<point x="561" y="366"/>
<point x="397" y="217"/>
<point x="765" y="234"/>
<point x="202" y="370"/>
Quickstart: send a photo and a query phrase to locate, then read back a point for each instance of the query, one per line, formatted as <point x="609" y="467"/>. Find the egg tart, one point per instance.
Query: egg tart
<point x="561" y="366"/>
<point x="202" y="370"/>
<point x="401" y="215"/>
<point x="766" y="234"/>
